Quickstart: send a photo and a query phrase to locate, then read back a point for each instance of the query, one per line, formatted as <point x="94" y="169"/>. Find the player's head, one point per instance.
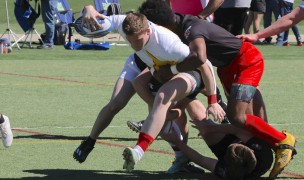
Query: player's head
<point x="158" y="12"/>
<point x="240" y="161"/>
<point x="137" y="30"/>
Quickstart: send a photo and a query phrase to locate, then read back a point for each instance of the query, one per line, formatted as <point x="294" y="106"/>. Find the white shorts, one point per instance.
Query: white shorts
<point x="130" y="70"/>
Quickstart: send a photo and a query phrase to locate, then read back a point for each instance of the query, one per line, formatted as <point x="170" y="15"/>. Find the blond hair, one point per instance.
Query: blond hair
<point x="134" y="23"/>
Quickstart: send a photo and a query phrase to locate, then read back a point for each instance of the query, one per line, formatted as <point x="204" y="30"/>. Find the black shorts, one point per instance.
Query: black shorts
<point x="154" y="85"/>
<point x="258" y="6"/>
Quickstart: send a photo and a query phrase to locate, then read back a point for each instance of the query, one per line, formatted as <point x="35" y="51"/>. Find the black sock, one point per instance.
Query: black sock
<point x="91" y="141"/>
<point x="1" y="119"/>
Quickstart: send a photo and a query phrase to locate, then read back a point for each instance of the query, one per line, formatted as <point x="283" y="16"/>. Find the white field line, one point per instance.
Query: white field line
<point x="124" y="126"/>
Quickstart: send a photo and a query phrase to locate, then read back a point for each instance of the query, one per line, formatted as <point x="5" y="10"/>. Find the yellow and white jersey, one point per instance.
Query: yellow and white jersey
<point x="164" y="47"/>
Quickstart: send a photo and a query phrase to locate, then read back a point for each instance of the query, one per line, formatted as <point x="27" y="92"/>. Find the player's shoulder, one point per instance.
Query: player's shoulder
<point x="163" y="34"/>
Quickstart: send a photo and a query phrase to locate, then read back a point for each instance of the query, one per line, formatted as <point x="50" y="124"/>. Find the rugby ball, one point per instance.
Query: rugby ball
<point x="84" y="31"/>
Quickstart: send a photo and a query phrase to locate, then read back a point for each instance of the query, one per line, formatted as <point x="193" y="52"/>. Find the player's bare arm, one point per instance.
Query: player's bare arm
<point x="198" y="47"/>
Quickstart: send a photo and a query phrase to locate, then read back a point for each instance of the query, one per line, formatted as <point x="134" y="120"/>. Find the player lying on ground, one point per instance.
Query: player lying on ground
<point x="239" y="154"/>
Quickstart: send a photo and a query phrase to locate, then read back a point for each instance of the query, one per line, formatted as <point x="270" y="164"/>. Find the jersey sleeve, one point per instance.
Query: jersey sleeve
<point x="179" y="51"/>
<point x="117" y="23"/>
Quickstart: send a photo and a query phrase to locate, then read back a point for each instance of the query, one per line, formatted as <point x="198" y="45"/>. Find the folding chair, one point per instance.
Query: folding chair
<point x="102" y="6"/>
<point x="26" y="16"/>
<point x="65" y="15"/>
<point x="109" y="7"/>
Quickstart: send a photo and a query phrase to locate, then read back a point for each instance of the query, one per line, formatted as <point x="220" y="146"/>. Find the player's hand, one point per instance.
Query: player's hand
<point x="248" y="37"/>
<point x="202" y="126"/>
<point x="163" y="74"/>
<point x="90" y="16"/>
<point x="216" y="111"/>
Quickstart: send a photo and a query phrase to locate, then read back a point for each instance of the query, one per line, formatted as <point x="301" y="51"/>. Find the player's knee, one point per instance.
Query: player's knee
<point x="237" y="119"/>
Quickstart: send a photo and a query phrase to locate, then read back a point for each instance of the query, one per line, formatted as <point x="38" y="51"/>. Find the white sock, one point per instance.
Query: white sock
<point x="139" y="151"/>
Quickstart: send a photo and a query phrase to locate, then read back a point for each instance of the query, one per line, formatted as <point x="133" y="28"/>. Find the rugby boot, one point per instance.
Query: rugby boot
<point x="285" y="150"/>
<point x="83" y="150"/>
<point x="6" y="132"/>
<point x="135" y="126"/>
<point x="131" y="158"/>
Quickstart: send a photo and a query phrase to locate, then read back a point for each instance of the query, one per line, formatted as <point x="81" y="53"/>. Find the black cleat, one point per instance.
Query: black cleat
<point x="81" y="153"/>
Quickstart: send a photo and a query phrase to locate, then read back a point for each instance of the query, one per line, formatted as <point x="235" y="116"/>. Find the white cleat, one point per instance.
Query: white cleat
<point x="6" y="132"/>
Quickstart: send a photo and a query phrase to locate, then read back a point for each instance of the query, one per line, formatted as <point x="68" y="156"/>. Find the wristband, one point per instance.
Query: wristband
<point x="212" y="99"/>
<point x="173" y="69"/>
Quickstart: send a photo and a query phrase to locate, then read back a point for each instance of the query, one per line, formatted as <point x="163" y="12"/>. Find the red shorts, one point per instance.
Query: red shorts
<point x="246" y="68"/>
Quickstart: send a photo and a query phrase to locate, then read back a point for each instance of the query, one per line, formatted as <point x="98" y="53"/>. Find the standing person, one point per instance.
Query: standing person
<point x="272" y="7"/>
<point x="6" y="131"/>
<point x="281" y="25"/>
<point x="239" y="154"/>
<point x="286" y="6"/>
<point x="204" y="9"/>
<point x="240" y="68"/>
<point x="226" y="15"/>
<point x="48" y="14"/>
<point x="256" y="12"/>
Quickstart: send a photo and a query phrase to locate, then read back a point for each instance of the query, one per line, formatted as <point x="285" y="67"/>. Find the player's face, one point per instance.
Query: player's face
<point x="138" y="40"/>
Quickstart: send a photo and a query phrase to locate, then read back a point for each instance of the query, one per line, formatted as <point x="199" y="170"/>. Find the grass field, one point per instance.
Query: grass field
<point x="53" y="98"/>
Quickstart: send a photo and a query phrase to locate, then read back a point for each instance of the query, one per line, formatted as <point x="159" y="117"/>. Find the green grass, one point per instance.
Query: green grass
<point x="53" y="98"/>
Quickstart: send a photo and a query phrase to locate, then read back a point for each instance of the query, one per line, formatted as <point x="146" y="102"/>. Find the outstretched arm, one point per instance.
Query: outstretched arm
<point x="203" y="161"/>
<point x="277" y="27"/>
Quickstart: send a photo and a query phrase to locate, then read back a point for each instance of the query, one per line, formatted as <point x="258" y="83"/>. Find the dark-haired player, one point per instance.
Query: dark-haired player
<point x="240" y="66"/>
<point x="239" y="154"/>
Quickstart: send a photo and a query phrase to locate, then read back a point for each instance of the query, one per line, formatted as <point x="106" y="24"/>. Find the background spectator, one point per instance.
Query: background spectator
<point x="226" y="15"/>
<point x="272" y="6"/>
<point x="286" y="6"/>
<point x="48" y="14"/>
<point x="256" y="12"/>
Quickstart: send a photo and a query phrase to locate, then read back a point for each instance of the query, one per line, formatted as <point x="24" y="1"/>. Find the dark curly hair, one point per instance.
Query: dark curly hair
<point x="158" y="12"/>
<point x="240" y="161"/>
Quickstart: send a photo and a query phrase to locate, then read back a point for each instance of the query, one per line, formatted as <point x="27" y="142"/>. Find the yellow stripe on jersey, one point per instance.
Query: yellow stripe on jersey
<point x="158" y="63"/>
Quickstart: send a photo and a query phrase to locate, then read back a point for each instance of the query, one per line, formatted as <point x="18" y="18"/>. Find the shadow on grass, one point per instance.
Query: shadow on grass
<point x="62" y="137"/>
<point x="66" y="174"/>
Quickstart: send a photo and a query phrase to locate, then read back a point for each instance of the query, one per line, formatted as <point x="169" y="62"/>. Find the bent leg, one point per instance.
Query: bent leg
<point x="122" y="93"/>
